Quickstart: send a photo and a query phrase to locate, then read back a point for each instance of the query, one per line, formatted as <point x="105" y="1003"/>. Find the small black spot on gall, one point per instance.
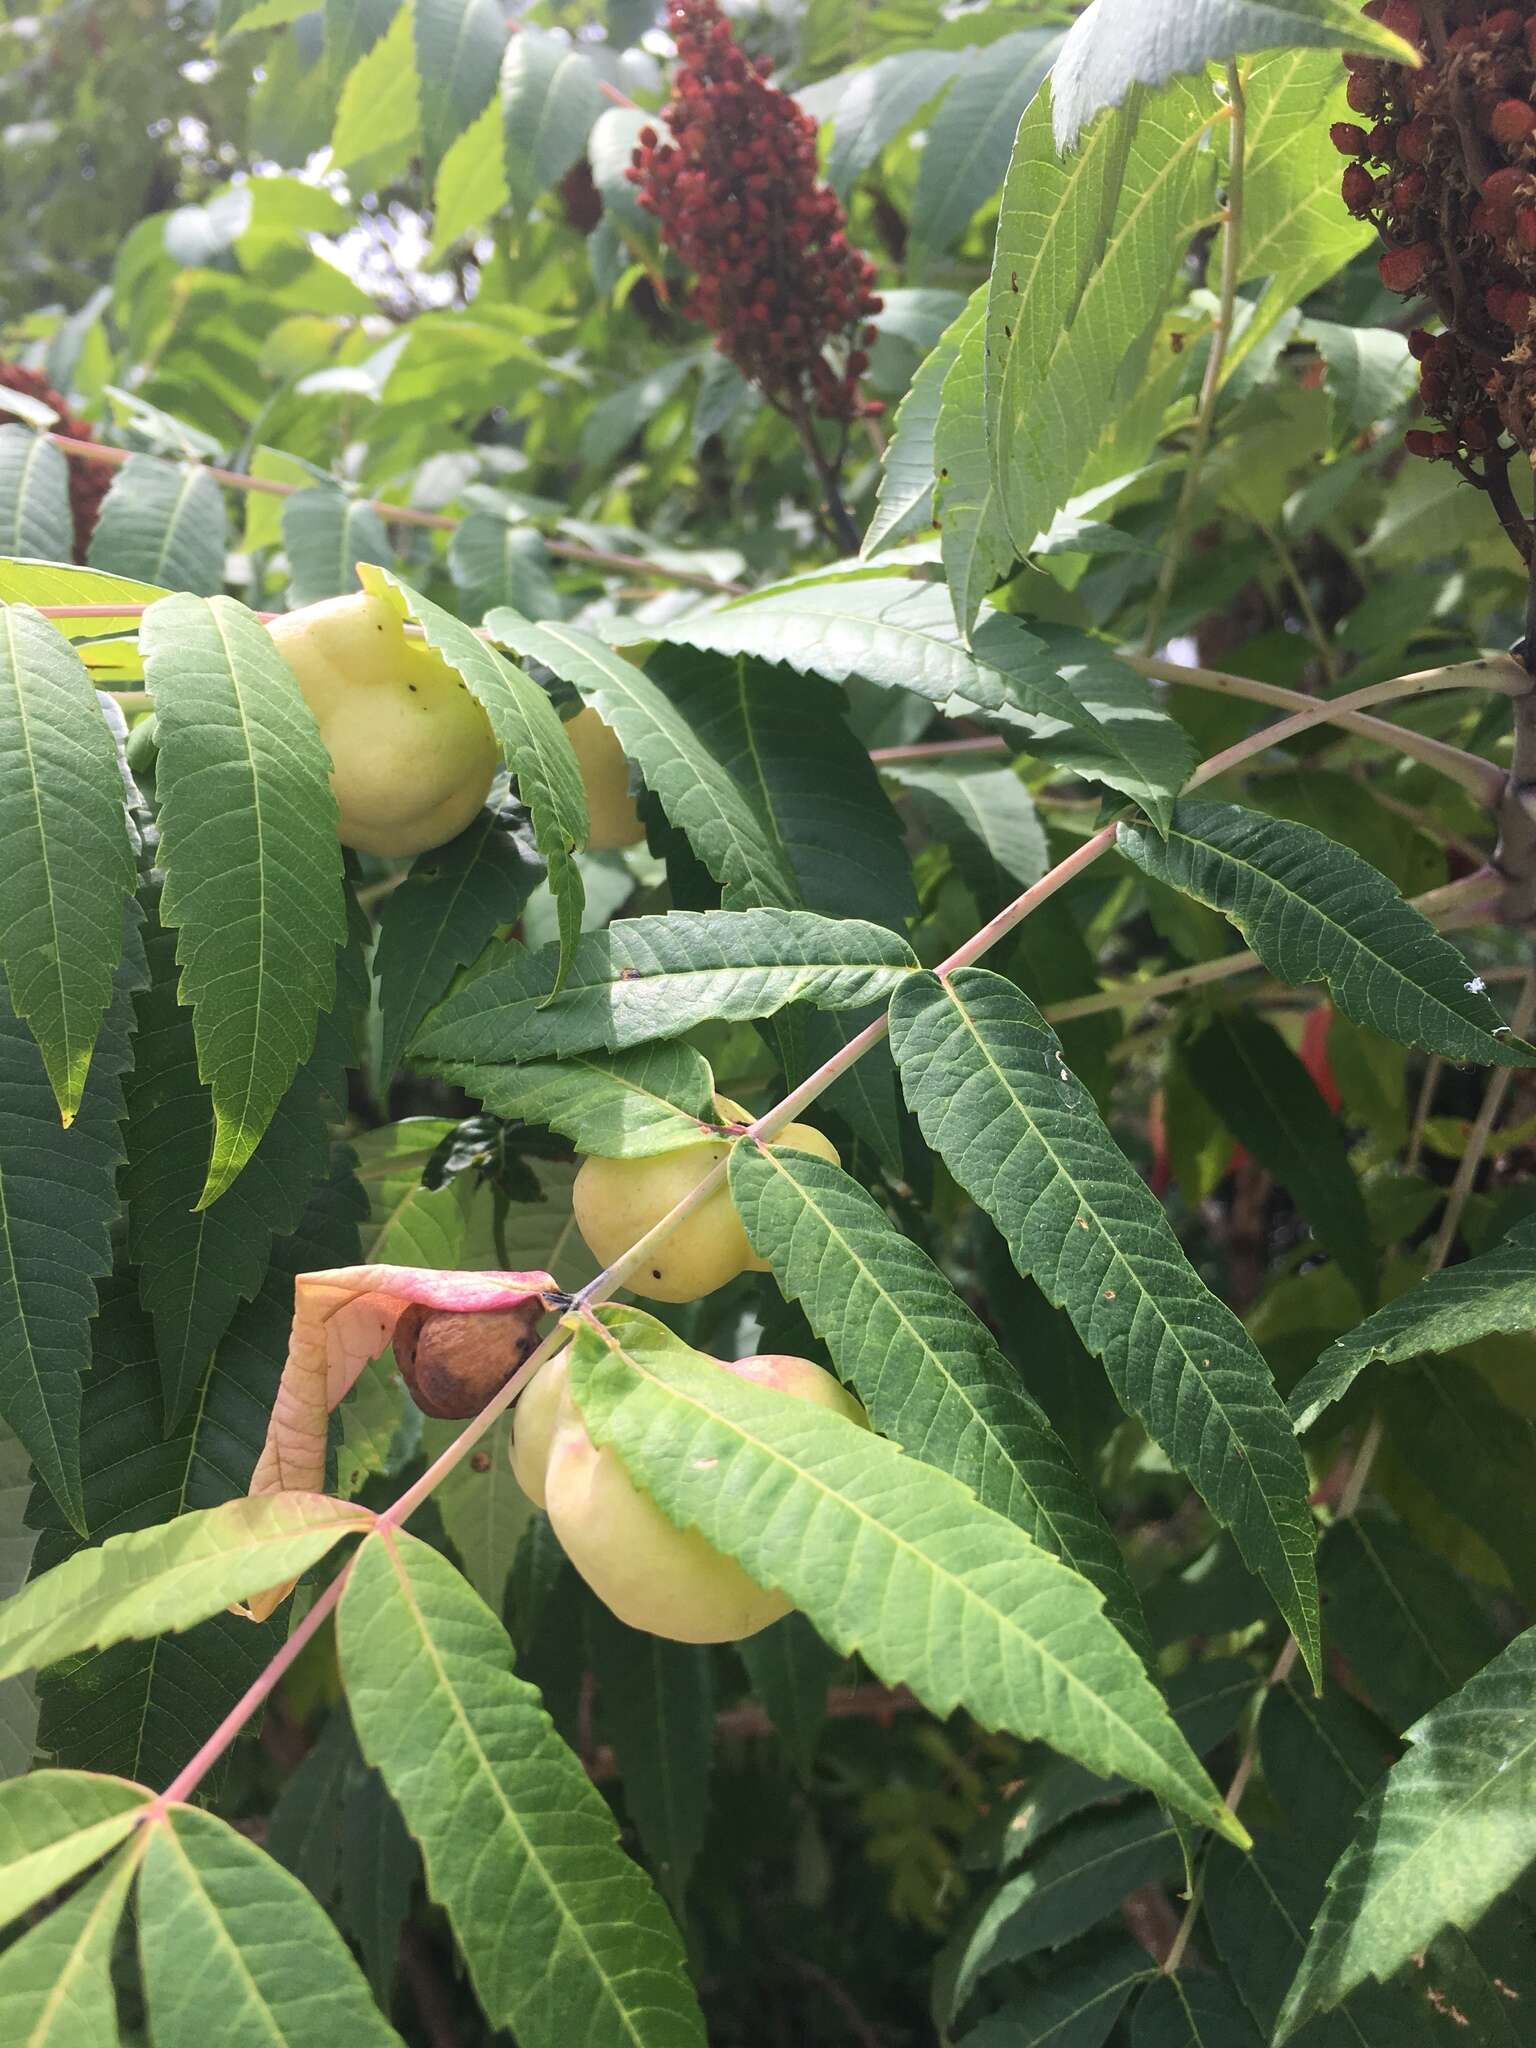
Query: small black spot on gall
<point x="655" y="1272"/>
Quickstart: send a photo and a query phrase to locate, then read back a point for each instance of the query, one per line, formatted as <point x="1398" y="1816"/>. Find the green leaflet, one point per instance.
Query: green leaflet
<point x="1449" y="1828"/>
<point x="227" y="1937"/>
<point x="695" y="788"/>
<point x="791" y="1668"/>
<point x="35" y="518"/>
<point x="484" y="1510"/>
<point x="970" y="138"/>
<point x="1321" y="1757"/>
<point x="498" y="560"/>
<point x="376" y="126"/>
<point x="58" y="1198"/>
<point x="626" y="1105"/>
<point x="909" y="466"/>
<point x="837" y="834"/>
<point x="196" y="1265"/>
<point x="656" y="1702"/>
<point x="18" y="1696"/>
<point x="459" y="44"/>
<point x="564" y="1938"/>
<point x="379" y="1868"/>
<point x="656" y="977"/>
<point x="987" y="818"/>
<point x="1142" y="42"/>
<point x="1492" y="1294"/>
<point x="1070" y="1884"/>
<point x="532" y="741"/>
<point x="973" y="538"/>
<point x="325" y="534"/>
<point x="879" y="101"/>
<point x="885" y="1555"/>
<point x="168" y="1577"/>
<point x="1065" y="693"/>
<point x="1207" y="1701"/>
<point x="253" y="876"/>
<point x="1084" y="261"/>
<point x="162" y="523"/>
<point x="1295" y="233"/>
<point x="42" y="583"/>
<point x="1268" y="1101"/>
<point x="1076" y="2007"/>
<point x="56" y="1988"/>
<point x="69" y="862"/>
<point x="352" y="27"/>
<point x="1475" y="1455"/>
<point x="142" y="1706"/>
<point x="983" y="1072"/>
<point x="928" y="1370"/>
<point x="786" y="745"/>
<point x="550" y="98"/>
<point x="53" y="1825"/>
<point x="1404" y="1618"/>
<point x="1314" y="911"/>
<point x="1195" y="2009"/>
<point x="449" y="905"/>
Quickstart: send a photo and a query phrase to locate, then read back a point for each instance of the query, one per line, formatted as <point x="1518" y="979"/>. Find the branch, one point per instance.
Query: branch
<point x="1454" y="898"/>
<point x="407" y="515"/>
<point x="1489" y="672"/>
<point x="938" y="750"/>
<point x="1515" y="854"/>
<point x="1215" y="362"/>
<point x="1498" y="1087"/>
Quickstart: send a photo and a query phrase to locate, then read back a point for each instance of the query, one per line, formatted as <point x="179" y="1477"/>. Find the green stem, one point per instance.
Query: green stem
<point x="1478" y="1137"/>
<point x="396" y="515"/>
<point x="1316" y="631"/>
<point x="1215" y="362"/>
<point x="1482" y="779"/>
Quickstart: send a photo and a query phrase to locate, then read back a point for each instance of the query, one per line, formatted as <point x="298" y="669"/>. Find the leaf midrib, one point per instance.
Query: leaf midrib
<point x="35" y="789"/>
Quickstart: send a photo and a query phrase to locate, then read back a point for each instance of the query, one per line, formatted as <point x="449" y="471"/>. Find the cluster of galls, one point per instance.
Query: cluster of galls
<point x="1447" y="172"/>
<point x="88" y="481"/>
<point x="736" y="196"/>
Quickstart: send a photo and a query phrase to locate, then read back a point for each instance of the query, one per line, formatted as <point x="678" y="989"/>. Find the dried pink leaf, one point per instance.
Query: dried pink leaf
<point x="341" y="1320"/>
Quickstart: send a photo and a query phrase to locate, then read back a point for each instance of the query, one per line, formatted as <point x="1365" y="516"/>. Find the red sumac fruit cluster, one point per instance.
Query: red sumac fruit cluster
<point x="1443" y="161"/>
<point x="88" y="481"/>
<point x="735" y="193"/>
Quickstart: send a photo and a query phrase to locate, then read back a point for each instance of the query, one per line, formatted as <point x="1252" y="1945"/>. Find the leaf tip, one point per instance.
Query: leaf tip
<point x="1232" y="1828"/>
